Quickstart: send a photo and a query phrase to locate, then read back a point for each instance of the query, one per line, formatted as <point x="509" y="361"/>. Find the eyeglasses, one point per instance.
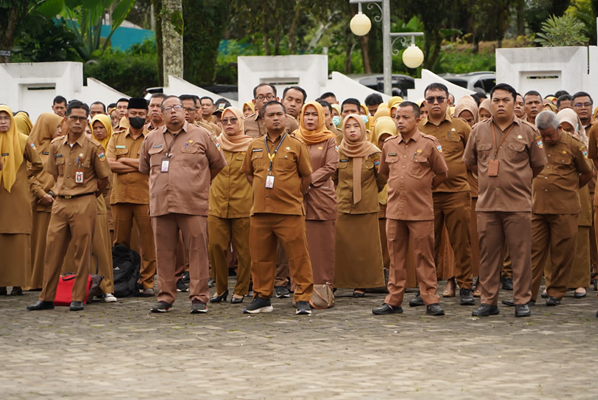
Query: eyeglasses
<point x="175" y="108"/>
<point x="582" y="105"/>
<point x="434" y="99"/>
<point x="190" y="109"/>
<point x="268" y="97"/>
<point x="4" y="119"/>
<point x="226" y="121"/>
<point x="74" y="118"/>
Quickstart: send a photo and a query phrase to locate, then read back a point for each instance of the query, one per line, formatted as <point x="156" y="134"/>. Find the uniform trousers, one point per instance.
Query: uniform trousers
<point x="454" y="210"/>
<point x="195" y="236"/>
<point x="553" y="234"/>
<point x="420" y="235"/>
<point x="514" y="228"/>
<point x="41" y="221"/>
<point x="72" y="220"/>
<point x="281" y="277"/>
<point x="220" y="234"/>
<point x="264" y="233"/>
<point x="580" y="270"/>
<point x="124" y="214"/>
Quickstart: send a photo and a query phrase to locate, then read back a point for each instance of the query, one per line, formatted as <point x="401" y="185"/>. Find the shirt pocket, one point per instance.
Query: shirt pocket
<point x="393" y="165"/>
<point x="257" y="160"/>
<point x="120" y="153"/>
<point x="516" y="152"/>
<point x="562" y="163"/>
<point x="156" y="156"/>
<point x="60" y="165"/>
<point x="453" y="143"/>
<point x="286" y="163"/>
<point x="484" y="150"/>
<point x="193" y="148"/>
<point x="419" y="166"/>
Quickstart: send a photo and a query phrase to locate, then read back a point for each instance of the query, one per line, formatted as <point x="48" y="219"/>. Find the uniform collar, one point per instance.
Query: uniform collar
<point x="79" y="141"/>
<point x="415" y="137"/>
<point x="144" y="132"/>
<point x="446" y="118"/>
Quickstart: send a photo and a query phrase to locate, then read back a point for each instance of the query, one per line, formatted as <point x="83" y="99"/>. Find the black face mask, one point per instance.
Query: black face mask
<point x="137" y="122"/>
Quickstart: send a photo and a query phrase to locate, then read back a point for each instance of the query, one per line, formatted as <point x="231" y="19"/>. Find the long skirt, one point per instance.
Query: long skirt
<point x="41" y="221"/>
<point x="320" y="242"/>
<point x="359" y="262"/>
<point x="15" y="264"/>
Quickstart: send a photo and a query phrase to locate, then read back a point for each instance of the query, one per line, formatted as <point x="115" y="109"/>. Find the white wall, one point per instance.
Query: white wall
<point x="33" y="86"/>
<point x="178" y="86"/>
<point x="548" y="69"/>
<point x="429" y="77"/>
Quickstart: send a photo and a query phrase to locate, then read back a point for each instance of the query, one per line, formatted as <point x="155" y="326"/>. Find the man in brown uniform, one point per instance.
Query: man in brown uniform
<point x="533" y="105"/>
<point x="254" y="124"/>
<point x="414" y="165"/>
<point x="506" y="153"/>
<point x="130" y="190"/>
<point x="78" y="164"/>
<point x="155" y="111"/>
<point x="293" y="98"/>
<point x="181" y="159"/>
<point x="452" y="198"/>
<point x="555" y="206"/>
<point x="279" y="168"/>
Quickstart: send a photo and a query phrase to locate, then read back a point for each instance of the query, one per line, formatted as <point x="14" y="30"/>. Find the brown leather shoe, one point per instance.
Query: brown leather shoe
<point x="449" y="290"/>
<point x="477" y="293"/>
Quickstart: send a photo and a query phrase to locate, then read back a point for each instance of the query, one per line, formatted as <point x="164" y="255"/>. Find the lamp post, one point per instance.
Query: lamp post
<point x="361" y="25"/>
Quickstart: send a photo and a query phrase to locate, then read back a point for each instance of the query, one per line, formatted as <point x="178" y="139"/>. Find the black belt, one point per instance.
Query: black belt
<point x="74" y="196"/>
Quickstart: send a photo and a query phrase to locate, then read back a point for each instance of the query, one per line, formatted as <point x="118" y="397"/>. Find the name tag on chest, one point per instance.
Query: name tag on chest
<point x="269" y="181"/>
<point x="79" y="177"/>
<point x="165" y="166"/>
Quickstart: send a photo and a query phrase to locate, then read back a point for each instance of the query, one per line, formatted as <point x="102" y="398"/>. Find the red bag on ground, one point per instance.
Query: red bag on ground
<point x="64" y="291"/>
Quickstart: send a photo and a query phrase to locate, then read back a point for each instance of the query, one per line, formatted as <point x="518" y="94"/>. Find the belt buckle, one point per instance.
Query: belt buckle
<point x="68" y="197"/>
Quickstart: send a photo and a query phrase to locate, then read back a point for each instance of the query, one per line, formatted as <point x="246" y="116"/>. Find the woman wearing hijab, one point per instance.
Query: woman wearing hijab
<point x="231" y="198"/>
<point x="580" y="271"/>
<point x="101" y="130"/>
<point x="358" y="249"/>
<point x="23" y="122"/>
<point x="15" y="203"/>
<point x="46" y="128"/>
<point x="485" y="110"/>
<point x="320" y="199"/>
<point x="248" y="109"/>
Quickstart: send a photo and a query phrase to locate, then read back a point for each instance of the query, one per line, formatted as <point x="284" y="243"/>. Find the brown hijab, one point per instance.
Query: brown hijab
<point x="467" y="106"/>
<point x="237" y="141"/>
<point x="357" y="150"/>
<point x="321" y="133"/>
<point x="43" y="131"/>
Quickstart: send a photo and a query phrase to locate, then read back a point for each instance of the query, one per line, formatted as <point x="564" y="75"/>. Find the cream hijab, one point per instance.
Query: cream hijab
<point x="570" y="116"/>
<point x="12" y="143"/>
<point x="357" y="150"/>
<point x="238" y="141"/>
<point x="43" y="131"/>
<point x="384" y="126"/>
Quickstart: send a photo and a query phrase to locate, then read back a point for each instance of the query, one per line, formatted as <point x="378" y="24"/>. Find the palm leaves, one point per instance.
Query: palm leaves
<point x="562" y="31"/>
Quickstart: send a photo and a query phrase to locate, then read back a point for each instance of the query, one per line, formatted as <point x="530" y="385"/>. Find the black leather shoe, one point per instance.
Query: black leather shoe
<point x="552" y="301"/>
<point x="434" y="309"/>
<point x="544" y="295"/>
<point x="236" y="300"/>
<point x="358" y="294"/>
<point x="507" y="283"/>
<point x="510" y="303"/>
<point x="416" y="301"/>
<point x="531" y="303"/>
<point x="485" y="310"/>
<point x="219" y="298"/>
<point x="579" y="295"/>
<point x="522" y="310"/>
<point x="77" y="306"/>
<point x="387" y="309"/>
<point x="41" y="305"/>
<point x="466" y="297"/>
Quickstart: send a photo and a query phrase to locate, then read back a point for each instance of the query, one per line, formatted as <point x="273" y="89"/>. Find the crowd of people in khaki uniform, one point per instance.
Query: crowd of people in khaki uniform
<point x="301" y="198"/>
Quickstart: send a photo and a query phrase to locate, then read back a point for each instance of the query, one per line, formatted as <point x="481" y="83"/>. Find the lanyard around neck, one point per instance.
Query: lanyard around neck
<point x="502" y="140"/>
<point x="271" y="156"/>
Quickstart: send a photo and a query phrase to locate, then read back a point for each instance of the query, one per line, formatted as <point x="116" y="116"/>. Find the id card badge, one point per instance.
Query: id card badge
<point x="269" y="181"/>
<point x="165" y="165"/>
<point x="79" y="176"/>
<point x="493" y="168"/>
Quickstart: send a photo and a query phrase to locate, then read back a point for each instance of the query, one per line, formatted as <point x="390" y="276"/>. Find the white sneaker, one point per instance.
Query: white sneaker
<point x="108" y="298"/>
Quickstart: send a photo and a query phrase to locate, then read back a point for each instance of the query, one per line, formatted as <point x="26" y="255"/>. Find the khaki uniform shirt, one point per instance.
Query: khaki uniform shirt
<point x="555" y="189"/>
<point x="593" y="154"/>
<point x="411" y="166"/>
<point x="511" y="190"/>
<point x="320" y="199"/>
<point x="184" y="188"/>
<point x="41" y="184"/>
<point x="453" y="134"/>
<point x="254" y="125"/>
<point x="372" y="183"/>
<point x="64" y="161"/>
<point x="132" y="187"/>
<point x="290" y="165"/>
<point x="231" y="195"/>
<point x="210" y="126"/>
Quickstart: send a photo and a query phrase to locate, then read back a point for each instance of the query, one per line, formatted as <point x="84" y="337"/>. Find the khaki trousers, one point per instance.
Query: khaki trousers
<point x="124" y="214"/>
<point x="221" y="231"/>
<point x="264" y="233"/>
<point x="41" y="222"/>
<point x="420" y="234"/>
<point x="553" y="234"/>
<point x="514" y="228"/>
<point x="281" y="275"/>
<point x="166" y="236"/>
<point x="454" y="211"/>
<point x="72" y="220"/>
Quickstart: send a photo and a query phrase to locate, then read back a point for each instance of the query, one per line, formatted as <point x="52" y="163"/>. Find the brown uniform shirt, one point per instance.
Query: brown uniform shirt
<point x="372" y="183"/>
<point x="231" y="195"/>
<point x="40" y="184"/>
<point x="64" y="161"/>
<point x="511" y="190"/>
<point x="453" y="134"/>
<point x="320" y="199"/>
<point x="132" y="187"/>
<point x="184" y="188"/>
<point x="593" y="154"/>
<point x="411" y="166"/>
<point x="254" y="125"/>
<point x="555" y="189"/>
<point x="290" y="165"/>
<point x="210" y="126"/>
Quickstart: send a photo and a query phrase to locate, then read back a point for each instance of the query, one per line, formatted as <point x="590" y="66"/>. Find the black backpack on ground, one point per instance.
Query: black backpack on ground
<point x="127" y="264"/>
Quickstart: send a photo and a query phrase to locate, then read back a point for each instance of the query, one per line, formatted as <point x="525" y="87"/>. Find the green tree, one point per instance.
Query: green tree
<point x="12" y="13"/>
<point x="562" y="31"/>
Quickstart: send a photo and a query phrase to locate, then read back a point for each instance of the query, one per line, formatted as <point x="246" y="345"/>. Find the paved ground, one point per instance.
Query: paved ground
<point x="121" y="351"/>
